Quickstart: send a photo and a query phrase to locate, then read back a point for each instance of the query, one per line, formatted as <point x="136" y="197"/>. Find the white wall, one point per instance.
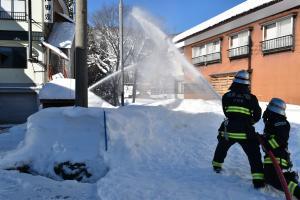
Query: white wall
<point x="37" y="16"/>
<point x="34" y="73"/>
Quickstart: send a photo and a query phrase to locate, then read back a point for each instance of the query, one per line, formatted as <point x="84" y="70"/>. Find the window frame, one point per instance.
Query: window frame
<point x="230" y="48"/>
<point x="289" y="38"/>
<point x="205" y="45"/>
<point x="12" y="15"/>
<point x="236" y="34"/>
<point x="276" y="21"/>
<point x="12" y="56"/>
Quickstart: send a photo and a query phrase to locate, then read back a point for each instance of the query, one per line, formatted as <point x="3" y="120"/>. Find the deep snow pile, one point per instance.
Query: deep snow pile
<point x="161" y="150"/>
<point x="59" y="135"/>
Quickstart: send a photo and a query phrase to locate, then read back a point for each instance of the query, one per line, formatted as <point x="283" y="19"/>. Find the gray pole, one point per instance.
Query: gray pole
<point x="121" y="49"/>
<point x="81" y="54"/>
<point x="29" y="30"/>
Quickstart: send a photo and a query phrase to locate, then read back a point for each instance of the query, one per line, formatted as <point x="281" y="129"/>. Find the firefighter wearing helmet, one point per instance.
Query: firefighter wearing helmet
<point x="242" y="111"/>
<point x="276" y="135"/>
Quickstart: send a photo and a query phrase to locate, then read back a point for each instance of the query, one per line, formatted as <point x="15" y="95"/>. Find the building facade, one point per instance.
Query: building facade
<point x="262" y="37"/>
<point x="22" y="73"/>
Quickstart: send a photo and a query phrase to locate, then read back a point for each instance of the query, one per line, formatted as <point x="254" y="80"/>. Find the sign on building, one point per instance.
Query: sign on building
<point x="48" y="11"/>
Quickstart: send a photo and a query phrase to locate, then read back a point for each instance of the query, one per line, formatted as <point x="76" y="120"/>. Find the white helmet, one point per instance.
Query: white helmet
<point x="242" y="77"/>
<point x="277" y="105"/>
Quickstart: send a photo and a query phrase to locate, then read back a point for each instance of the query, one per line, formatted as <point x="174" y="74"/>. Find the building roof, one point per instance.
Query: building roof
<point x="55" y="50"/>
<point x="60" y="88"/>
<point x="235" y="11"/>
<point x="63" y="6"/>
<point x="62" y="35"/>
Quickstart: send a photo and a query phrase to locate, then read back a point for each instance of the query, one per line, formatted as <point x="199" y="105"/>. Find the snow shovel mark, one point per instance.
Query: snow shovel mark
<point x="60" y="197"/>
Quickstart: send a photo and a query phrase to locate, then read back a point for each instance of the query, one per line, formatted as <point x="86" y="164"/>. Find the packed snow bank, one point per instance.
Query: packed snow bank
<point x="161" y="150"/>
<point x="20" y="186"/>
<point x="59" y="135"/>
<point x="95" y="101"/>
<point x="164" y="151"/>
<point x="11" y="138"/>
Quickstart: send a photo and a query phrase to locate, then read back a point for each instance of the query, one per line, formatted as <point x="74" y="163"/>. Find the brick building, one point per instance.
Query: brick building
<point x="261" y="36"/>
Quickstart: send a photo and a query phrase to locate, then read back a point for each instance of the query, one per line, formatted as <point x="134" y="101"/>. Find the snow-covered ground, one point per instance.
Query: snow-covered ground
<point x="160" y="150"/>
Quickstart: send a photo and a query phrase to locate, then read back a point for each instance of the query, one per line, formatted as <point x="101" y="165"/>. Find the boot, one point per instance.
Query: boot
<point x="258" y="183"/>
<point x="297" y="193"/>
<point x="217" y="169"/>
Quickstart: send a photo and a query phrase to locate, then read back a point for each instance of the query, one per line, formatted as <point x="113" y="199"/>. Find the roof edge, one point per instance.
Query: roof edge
<point x="180" y="37"/>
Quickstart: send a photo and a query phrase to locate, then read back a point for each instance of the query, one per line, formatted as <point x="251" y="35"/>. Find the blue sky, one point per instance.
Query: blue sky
<point x="176" y="15"/>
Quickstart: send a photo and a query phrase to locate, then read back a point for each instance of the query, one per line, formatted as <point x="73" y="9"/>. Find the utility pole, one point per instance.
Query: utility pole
<point x="29" y="30"/>
<point x="81" y="54"/>
<point x="121" y="49"/>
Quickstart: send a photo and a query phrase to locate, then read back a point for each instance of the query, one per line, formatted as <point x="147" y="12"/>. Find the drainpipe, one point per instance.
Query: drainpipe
<point x="29" y="31"/>
<point x="250" y="59"/>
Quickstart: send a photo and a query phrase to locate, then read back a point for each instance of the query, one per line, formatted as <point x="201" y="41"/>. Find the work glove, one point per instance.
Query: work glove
<point x="266" y="146"/>
<point x="290" y="163"/>
<point x="266" y="115"/>
<point x="291" y="176"/>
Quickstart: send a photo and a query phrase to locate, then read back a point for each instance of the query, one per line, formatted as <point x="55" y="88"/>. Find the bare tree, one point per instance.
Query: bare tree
<point x="103" y="51"/>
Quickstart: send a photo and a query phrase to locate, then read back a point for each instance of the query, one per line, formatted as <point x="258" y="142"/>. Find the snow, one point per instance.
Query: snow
<point x="57" y="143"/>
<point x="64" y="88"/>
<point x="239" y="9"/>
<point x="62" y="35"/>
<point x="156" y="150"/>
<point x="60" y="88"/>
<point x="55" y="50"/>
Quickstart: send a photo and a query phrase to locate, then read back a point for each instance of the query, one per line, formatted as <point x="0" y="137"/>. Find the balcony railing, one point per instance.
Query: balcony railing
<point x="207" y="59"/>
<point x="242" y="51"/>
<point x="20" y="16"/>
<point x="278" y="44"/>
<point x="199" y="60"/>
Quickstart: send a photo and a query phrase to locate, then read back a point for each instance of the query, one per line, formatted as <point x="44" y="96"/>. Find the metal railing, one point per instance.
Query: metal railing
<point x="276" y="44"/>
<point x="239" y="51"/>
<point x="198" y="60"/>
<point x="20" y="16"/>
<point x="207" y="59"/>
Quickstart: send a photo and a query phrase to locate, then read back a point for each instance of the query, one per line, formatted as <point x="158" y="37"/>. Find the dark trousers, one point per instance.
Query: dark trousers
<point x="271" y="178"/>
<point x="250" y="147"/>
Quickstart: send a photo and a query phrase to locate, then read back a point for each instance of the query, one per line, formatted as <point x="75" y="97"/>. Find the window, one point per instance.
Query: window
<point x="239" y="45"/>
<point x="278" y="35"/>
<point x="13" y="57"/>
<point x="206" y="54"/>
<point x="13" y="9"/>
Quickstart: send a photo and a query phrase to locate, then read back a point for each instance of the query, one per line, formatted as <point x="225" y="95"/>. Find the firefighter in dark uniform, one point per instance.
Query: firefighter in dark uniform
<point x="276" y="135"/>
<point x="242" y="111"/>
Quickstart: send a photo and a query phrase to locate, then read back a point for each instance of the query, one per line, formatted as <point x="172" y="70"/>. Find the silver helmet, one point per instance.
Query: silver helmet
<point x="277" y="105"/>
<point x="242" y="77"/>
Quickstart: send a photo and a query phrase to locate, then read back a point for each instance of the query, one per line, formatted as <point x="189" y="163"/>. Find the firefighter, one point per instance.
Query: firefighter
<point x="242" y="111"/>
<point x="276" y="135"/>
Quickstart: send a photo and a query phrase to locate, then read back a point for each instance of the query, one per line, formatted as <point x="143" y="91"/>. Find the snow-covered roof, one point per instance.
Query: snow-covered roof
<point x="61" y="88"/>
<point x="62" y="35"/>
<point x="237" y="10"/>
<point x="64" y="89"/>
<point x="56" y="50"/>
<point x="65" y="17"/>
